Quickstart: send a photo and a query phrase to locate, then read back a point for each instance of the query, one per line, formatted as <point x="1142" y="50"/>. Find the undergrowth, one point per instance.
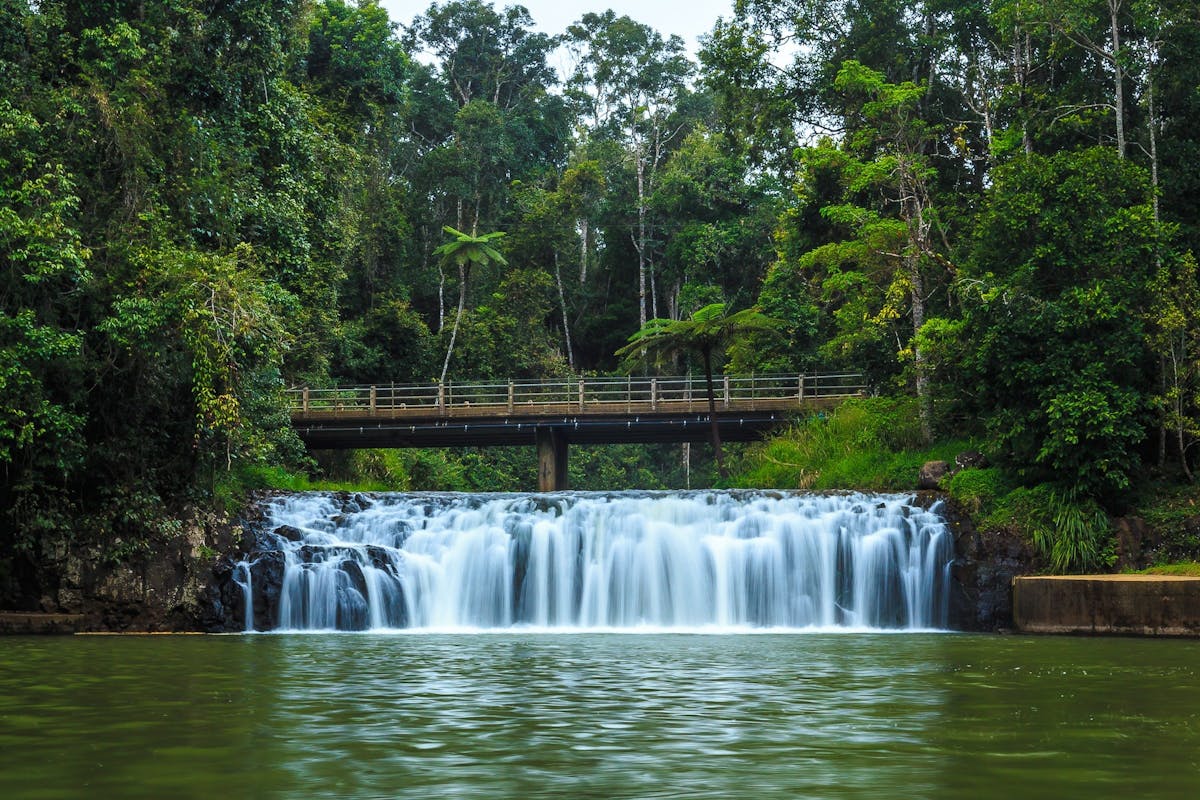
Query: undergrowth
<point x="875" y="444"/>
<point x="870" y="444"/>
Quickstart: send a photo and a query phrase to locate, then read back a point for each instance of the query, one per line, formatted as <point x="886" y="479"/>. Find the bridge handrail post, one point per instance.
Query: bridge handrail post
<point x="304" y="399"/>
<point x="801" y="388"/>
<point x="372" y="401"/>
<point x="725" y="380"/>
<point x="581" y="394"/>
<point x="511" y="393"/>
<point x="441" y="399"/>
<point x="654" y="394"/>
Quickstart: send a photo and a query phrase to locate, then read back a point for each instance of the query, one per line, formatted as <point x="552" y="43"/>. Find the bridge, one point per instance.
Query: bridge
<point x="551" y="414"/>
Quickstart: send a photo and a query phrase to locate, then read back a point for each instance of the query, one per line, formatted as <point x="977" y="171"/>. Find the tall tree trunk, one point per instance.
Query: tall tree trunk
<point x="1024" y="58"/>
<point x="1179" y="398"/>
<point x="653" y="291"/>
<point x="641" y="240"/>
<point x="1114" y="7"/>
<point x="1162" y="423"/>
<point x="918" y="227"/>
<point x="562" y="301"/>
<point x="462" y="303"/>
<point x="583" y="251"/>
<point x="924" y="398"/>
<point x="712" y="412"/>
<point x="1152" y="124"/>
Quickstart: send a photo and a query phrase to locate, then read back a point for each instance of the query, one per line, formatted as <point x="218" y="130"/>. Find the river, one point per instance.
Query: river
<point x="616" y="715"/>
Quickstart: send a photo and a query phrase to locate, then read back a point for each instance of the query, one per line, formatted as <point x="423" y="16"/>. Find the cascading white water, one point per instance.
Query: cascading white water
<point x="694" y="560"/>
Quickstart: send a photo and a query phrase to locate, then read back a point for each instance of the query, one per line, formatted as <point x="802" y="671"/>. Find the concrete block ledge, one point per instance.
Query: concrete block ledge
<point x="1128" y="605"/>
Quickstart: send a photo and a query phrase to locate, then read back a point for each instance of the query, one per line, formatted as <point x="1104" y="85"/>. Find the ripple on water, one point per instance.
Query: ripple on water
<point x="525" y="715"/>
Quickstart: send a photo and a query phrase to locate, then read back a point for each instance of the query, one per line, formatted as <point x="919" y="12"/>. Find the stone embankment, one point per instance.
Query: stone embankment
<point x="1135" y="605"/>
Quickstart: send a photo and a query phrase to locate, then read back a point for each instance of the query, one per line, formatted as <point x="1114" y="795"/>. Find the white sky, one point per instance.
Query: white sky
<point x="686" y="18"/>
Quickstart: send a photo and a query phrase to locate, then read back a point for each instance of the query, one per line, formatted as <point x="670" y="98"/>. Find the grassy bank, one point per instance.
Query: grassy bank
<point x="875" y="444"/>
<point x="869" y="444"/>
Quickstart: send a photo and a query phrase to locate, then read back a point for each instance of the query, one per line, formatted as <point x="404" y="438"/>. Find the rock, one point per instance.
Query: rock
<point x="355" y="575"/>
<point x="972" y="459"/>
<point x="289" y="533"/>
<point x="1133" y="538"/>
<point x="266" y="584"/>
<point x="381" y="557"/>
<point x="931" y="474"/>
<point x="352" y="612"/>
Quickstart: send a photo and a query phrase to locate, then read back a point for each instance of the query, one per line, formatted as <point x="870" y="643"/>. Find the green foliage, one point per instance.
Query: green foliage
<point x="1189" y="569"/>
<point x="869" y="444"/>
<point x="1064" y="254"/>
<point x="979" y="489"/>
<point x="202" y="203"/>
<point x="1071" y="532"/>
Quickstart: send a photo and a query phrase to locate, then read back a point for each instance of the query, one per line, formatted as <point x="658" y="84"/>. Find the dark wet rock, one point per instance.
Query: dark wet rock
<point x="972" y="459"/>
<point x="985" y="564"/>
<point x="1134" y="539"/>
<point x="290" y="533"/>
<point x="264" y="541"/>
<point x="353" y="572"/>
<point x="380" y="557"/>
<point x="931" y="474"/>
<point x="352" y="611"/>
<point x="226" y="599"/>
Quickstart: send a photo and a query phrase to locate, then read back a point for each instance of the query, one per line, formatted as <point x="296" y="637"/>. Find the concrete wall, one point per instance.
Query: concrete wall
<point x="1143" y="605"/>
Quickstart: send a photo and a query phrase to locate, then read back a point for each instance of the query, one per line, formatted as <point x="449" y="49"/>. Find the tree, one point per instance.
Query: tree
<point x="891" y="126"/>
<point x="627" y="81"/>
<point x="708" y="330"/>
<point x="466" y="250"/>
<point x="1056" y="294"/>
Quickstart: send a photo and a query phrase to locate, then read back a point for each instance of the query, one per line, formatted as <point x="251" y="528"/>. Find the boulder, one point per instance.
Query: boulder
<point x="931" y="474"/>
<point x="972" y="459"/>
<point x="1133" y="538"/>
<point x="289" y="533"/>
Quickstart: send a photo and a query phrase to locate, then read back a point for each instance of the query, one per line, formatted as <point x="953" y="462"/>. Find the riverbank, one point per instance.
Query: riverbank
<point x="172" y="587"/>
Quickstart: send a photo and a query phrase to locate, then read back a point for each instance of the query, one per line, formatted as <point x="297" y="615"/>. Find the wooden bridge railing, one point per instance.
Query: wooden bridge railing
<point x="599" y="395"/>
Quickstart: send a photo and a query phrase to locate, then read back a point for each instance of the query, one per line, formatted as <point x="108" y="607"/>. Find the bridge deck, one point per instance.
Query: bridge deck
<point x="586" y="411"/>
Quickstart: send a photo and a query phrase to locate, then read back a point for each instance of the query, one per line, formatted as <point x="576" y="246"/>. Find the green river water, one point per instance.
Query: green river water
<point x="604" y="716"/>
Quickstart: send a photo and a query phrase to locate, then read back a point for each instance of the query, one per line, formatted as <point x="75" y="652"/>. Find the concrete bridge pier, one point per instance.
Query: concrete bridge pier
<point x="552" y="460"/>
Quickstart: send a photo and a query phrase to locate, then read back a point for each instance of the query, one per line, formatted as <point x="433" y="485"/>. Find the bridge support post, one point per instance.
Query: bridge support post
<point x="552" y="460"/>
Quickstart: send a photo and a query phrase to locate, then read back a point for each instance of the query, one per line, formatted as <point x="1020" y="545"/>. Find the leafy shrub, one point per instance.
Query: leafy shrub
<point x="978" y="489"/>
<point x="871" y="444"/>
<point x="1072" y="532"/>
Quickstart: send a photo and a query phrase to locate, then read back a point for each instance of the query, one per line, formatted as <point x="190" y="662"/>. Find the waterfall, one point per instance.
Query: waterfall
<point x="704" y="560"/>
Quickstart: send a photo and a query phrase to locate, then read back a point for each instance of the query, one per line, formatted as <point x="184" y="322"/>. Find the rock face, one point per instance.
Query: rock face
<point x="972" y="459"/>
<point x="163" y="587"/>
<point x="931" y="474"/>
<point x="225" y="599"/>
<point x="983" y="569"/>
<point x="1134" y="538"/>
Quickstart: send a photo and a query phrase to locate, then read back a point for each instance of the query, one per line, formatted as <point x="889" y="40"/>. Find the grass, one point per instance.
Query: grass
<point x="875" y="444"/>
<point x="232" y="487"/>
<point x="868" y="444"/>
<point x="1189" y="569"/>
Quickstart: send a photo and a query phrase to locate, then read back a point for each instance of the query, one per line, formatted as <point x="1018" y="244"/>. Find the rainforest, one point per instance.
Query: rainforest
<point x="990" y="210"/>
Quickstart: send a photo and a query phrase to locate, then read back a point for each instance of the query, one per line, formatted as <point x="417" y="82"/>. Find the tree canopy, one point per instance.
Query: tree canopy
<point x="992" y="206"/>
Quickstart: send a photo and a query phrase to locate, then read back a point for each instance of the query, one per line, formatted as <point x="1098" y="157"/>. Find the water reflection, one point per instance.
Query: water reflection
<point x="520" y="715"/>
